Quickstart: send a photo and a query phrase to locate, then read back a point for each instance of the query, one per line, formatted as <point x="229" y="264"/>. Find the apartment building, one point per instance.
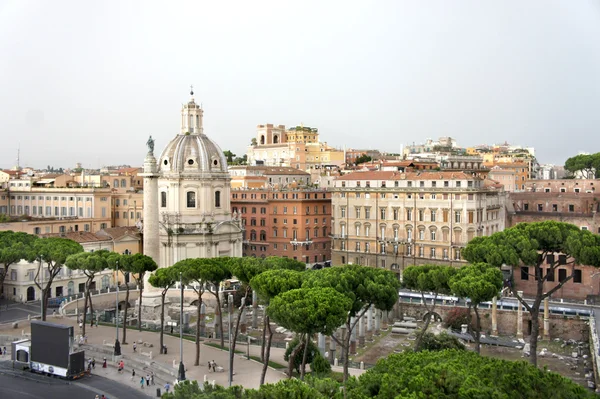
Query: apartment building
<point x="563" y="200"/>
<point x="44" y="210"/>
<point x="393" y="219"/>
<point x="292" y="223"/>
<point x="246" y="176"/>
<point x="298" y="147"/>
<point x="20" y="286"/>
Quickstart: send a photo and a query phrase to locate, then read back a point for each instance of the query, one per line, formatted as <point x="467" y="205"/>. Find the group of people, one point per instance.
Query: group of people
<point x="149" y="380"/>
<point x="101" y="397"/>
<point x="212" y="366"/>
<point x="91" y="364"/>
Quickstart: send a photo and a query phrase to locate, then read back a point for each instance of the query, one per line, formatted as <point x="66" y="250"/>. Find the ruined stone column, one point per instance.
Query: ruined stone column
<point x="254" y="310"/>
<point x="343" y="334"/>
<point x="384" y="320"/>
<point x="520" y="316"/>
<point x="546" y="319"/>
<point x="361" y="332"/>
<point x="370" y="319"/>
<point x="243" y="322"/>
<point x="321" y="343"/>
<point x="377" y="321"/>
<point x="202" y="321"/>
<point x="494" y="317"/>
<point x="332" y="347"/>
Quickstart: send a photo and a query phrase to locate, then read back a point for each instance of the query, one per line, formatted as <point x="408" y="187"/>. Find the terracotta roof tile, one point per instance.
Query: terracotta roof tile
<point x="116" y="233"/>
<point x="78" y="236"/>
<point x="392" y="175"/>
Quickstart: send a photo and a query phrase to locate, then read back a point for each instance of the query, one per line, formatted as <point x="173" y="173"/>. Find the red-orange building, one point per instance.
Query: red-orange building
<point x="292" y="223"/>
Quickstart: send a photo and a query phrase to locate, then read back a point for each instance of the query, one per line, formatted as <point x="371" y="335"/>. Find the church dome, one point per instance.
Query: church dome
<point x="191" y="151"/>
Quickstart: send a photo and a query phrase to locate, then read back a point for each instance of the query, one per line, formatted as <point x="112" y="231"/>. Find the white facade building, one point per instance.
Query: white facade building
<point x="186" y="197"/>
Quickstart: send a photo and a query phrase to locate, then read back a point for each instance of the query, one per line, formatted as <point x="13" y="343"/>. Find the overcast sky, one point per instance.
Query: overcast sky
<point x="88" y="82"/>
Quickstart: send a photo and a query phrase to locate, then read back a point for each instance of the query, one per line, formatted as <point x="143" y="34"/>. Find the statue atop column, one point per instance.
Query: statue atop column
<point x="150" y="144"/>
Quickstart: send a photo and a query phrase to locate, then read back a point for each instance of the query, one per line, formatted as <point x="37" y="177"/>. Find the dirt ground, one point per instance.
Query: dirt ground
<point x="561" y="363"/>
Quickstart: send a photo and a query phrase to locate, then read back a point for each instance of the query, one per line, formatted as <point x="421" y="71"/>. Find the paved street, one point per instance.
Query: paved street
<point x="14" y="311"/>
<point x="23" y="384"/>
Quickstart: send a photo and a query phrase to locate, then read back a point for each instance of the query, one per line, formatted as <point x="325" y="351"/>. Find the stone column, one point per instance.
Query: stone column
<point x="151" y="244"/>
<point x="254" y="310"/>
<point x="243" y="322"/>
<point x="546" y="319"/>
<point x="519" y="316"/>
<point x="332" y="347"/>
<point x="361" y="332"/>
<point x="377" y="321"/>
<point x="202" y="321"/>
<point x="343" y="331"/>
<point x="494" y="317"/>
<point x="321" y="343"/>
<point x="384" y="320"/>
<point x="370" y="319"/>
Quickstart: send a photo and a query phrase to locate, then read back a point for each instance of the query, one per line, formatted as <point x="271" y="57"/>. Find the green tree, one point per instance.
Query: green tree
<point x="362" y="159"/>
<point x="229" y="155"/>
<point x="53" y="252"/>
<point x="121" y="264"/>
<point x="214" y="271"/>
<point x="90" y="263"/>
<point x="138" y="265"/>
<point x="268" y="285"/>
<point x="308" y="311"/>
<point x="296" y="348"/>
<point x="537" y="246"/>
<point x="14" y="246"/>
<point x="253" y="142"/>
<point x="244" y="269"/>
<point x="479" y="282"/>
<point x="461" y="374"/>
<point x="365" y="286"/>
<point x="425" y="279"/>
<point x="432" y="342"/>
<point x="164" y="278"/>
<point x="588" y="165"/>
<point x="278" y="262"/>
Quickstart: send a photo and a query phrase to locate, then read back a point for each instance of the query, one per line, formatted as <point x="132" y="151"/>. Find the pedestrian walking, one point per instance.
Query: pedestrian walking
<point x="209" y="366"/>
<point x="214" y="366"/>
<point x="132" y="374"/>
<point x="167" y="387"/>
<point x="104" y="363"/>
<point x="147" y="380"/>
<point x="94" y="363"/>
<point x="152" y="377"/>
<point x="142" y="383"/>
<point x="134" y="347"/>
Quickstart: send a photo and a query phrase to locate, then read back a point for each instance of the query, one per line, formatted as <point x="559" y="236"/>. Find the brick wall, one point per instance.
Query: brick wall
<point x="560" y="326"/>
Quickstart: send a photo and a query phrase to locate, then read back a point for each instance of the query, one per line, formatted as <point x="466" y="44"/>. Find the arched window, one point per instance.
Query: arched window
<point x="115" y="183"/>
<point x="217" y="199"/>
<point x="123" y="183"/>
<point x="191" y="199"/>
<point x="163" y="199"/>
<point x="262" y="139"/>
<point x="253" y="235"/>
<point x="275" y="139"/>
<point x="263" y="235"/>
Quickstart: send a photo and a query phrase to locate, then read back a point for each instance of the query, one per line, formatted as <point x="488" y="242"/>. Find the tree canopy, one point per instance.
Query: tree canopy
<point x="545" y="246"/>
<point x="14" y="246"/>
<point x="362" y="159"/>
<point x="588" y="165"/>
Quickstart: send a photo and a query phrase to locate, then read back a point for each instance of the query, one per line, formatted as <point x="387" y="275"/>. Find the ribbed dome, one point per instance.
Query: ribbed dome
<point x="192" y="153"/>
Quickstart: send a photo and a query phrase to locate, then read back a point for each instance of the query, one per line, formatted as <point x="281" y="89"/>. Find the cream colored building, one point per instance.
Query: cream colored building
<point x="46" y="210"/>
<point x="298" y="147"/>
<point x="392" y="220"/>
<point x="19" y="284"/>
<point x="245" y="176"/>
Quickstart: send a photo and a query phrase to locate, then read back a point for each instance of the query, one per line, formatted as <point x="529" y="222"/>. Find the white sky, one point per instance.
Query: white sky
<point x="88" y="82"/>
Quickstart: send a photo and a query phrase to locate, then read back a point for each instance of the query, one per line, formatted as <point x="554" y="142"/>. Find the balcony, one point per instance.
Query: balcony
<point x="305" y="242"/>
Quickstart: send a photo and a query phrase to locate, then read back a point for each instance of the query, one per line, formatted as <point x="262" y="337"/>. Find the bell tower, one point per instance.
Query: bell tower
<point x="191" y="116"/>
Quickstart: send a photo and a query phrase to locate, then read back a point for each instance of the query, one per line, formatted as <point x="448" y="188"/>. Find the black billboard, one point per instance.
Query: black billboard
<point x="50" y="343"/>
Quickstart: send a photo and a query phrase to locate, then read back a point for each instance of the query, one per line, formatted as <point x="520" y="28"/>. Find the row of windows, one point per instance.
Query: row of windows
<point x="190" y="199"/>
<point x="48" y="211"/>
<point x="263" y="210"/>
<point x="472" y="216"/>
<point x="421" y="252"/>
<point x="47" y="198"/>
<point x="263" y="221"/>
<point x="276" y="195"/>
<point x="431" y="235"/>
<point x="263" y="233"/>
<point x="128" y="215"/>
<point x="550" y="275"/>
<point x="63" y="229"/>
<point x="421" y="196"/>
<point x="294" y="247"/>
<point x="421" y="184"/>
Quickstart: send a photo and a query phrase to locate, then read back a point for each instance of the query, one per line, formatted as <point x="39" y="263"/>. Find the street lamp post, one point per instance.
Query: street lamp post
<point x="230" y="307"/>
<point x="181" y="373"/>
<point x="117" y="344"/>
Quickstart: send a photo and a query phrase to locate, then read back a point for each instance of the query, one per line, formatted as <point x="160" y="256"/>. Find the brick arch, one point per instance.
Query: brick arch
<point x="436" y="315"/>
